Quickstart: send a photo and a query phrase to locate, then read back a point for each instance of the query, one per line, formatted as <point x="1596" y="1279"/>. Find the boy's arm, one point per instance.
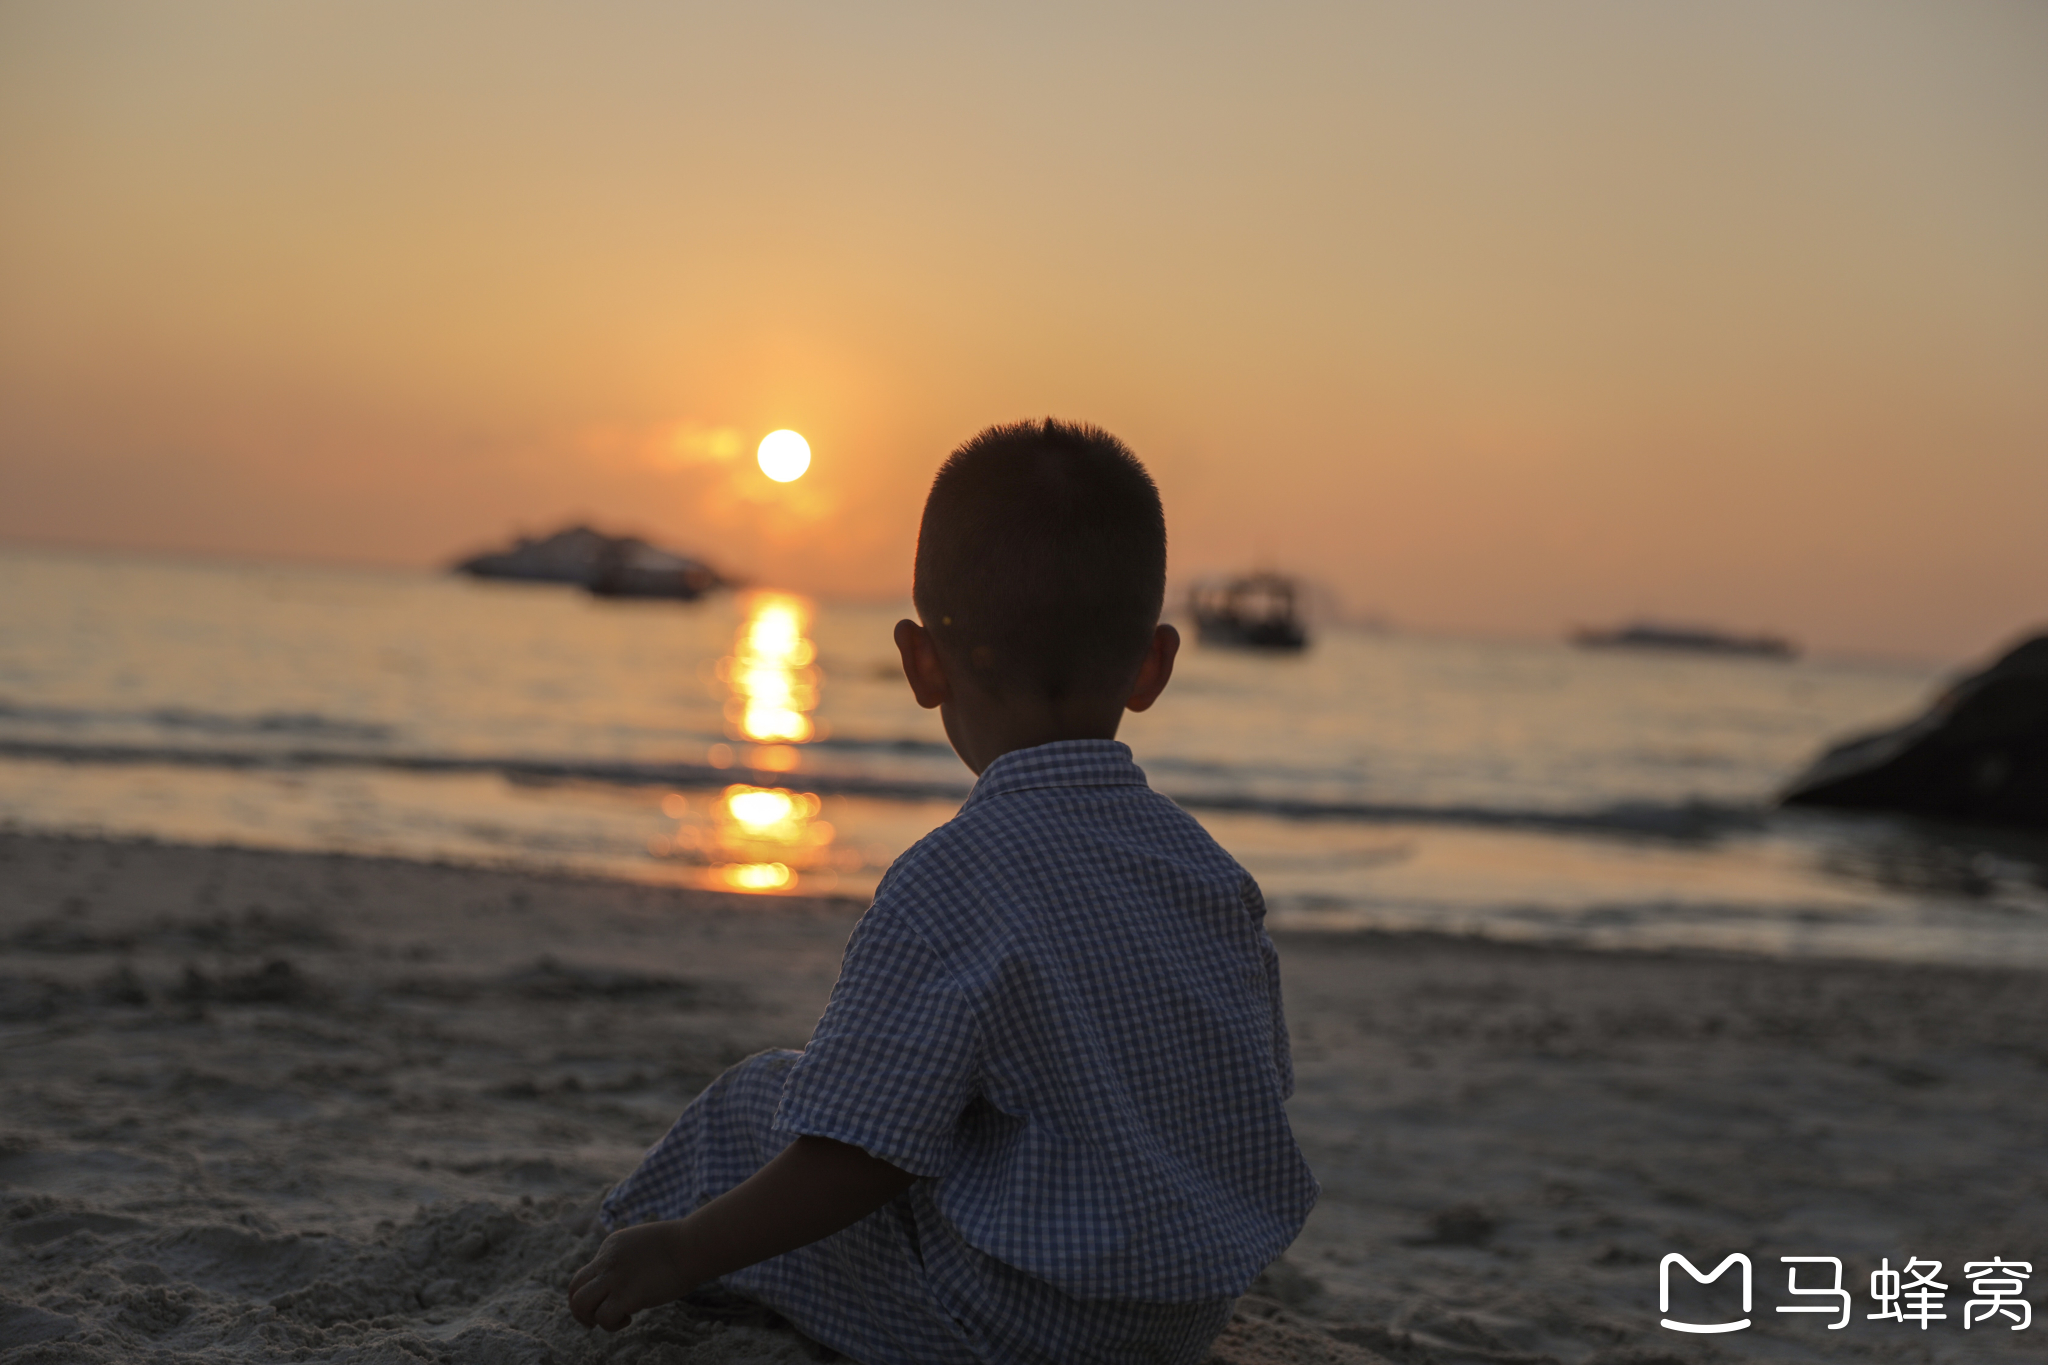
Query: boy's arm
<point x="813" y="1189"/>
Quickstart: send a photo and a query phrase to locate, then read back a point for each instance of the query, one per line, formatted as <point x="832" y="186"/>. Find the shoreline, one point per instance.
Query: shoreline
<point x="666" y="880"/>
<point x="262" y="1103"/>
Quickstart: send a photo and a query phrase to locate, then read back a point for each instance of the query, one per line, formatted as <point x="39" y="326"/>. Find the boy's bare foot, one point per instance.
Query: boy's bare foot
<point x="636" y="1268"/>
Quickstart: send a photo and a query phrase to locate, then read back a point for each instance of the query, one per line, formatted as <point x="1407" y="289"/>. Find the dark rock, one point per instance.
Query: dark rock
<point x="1978" y="756"/>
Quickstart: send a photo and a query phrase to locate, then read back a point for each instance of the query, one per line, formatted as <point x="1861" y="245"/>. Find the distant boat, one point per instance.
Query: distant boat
<point x="606" y="565"/>
<point x="1685" y="639"/>
<point x="1254" y="611"/>
<point x="633" y="568"/>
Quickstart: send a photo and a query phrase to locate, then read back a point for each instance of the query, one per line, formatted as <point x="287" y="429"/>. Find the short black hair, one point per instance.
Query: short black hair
<point x="1041" y="559"/>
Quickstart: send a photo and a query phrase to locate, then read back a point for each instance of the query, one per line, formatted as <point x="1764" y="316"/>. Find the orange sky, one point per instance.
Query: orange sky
<point x="1494" y="317"/>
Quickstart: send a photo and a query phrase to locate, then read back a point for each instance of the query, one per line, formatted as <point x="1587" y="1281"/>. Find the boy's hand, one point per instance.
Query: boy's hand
<point x="812" y="1189"/>
<point x="638" y="1267"/>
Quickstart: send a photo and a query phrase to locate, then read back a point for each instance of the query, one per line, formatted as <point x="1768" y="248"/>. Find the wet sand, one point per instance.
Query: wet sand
<point x="269" y="1106"/>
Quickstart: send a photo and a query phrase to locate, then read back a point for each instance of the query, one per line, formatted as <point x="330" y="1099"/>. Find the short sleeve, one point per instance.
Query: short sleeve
<point x="1269" y="958"/>
<point x="894" y="1061"/>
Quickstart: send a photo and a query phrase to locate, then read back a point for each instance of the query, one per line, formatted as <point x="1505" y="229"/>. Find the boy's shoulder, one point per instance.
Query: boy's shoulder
<point x="1056" y="829"/>
<point x="1054" y="820"/>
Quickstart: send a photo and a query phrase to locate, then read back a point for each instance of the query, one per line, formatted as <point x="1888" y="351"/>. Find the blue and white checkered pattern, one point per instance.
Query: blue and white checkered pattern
<point x="899" y="1287"/>
<point x="1063" y="1008"/>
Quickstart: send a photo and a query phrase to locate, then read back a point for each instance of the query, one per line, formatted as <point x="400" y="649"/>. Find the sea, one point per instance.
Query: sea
<point x="765" y="742"/>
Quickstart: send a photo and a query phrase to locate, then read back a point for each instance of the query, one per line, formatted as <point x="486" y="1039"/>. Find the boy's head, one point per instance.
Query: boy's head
<point x="1041" y="563"/>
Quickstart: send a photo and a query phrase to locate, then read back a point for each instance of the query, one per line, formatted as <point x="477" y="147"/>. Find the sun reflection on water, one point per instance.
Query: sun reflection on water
<point x="758" y="838"/>
<point x="774" y="687"/>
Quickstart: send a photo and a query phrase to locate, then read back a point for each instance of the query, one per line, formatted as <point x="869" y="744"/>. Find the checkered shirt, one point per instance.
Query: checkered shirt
<point x="1064" y="1007"/>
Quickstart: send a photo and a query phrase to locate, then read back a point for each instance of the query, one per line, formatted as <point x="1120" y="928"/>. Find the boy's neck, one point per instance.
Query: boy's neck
<point x="982" y="729"/>
<point x="983" y="726"/>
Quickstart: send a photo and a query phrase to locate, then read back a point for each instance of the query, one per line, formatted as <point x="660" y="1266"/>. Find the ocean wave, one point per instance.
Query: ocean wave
<point x="857" y="744"/>
<point x="1683" y="820"/>
<point x="1687" y="821"/>
<point x="615" y="771"/>
<point x="301" y="724"/>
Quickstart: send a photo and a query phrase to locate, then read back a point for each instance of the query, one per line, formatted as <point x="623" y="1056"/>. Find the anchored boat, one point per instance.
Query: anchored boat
<point x="1686" y="639"/>
<point x="1254" y="611"/>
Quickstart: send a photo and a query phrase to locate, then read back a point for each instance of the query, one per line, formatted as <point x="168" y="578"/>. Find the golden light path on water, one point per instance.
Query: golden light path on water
<point x="761" y="838"/>
<point x="774" y="687"/>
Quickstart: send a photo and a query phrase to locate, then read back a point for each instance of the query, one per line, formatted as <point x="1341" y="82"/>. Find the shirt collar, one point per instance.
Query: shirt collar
<point x="1062" y="763"/>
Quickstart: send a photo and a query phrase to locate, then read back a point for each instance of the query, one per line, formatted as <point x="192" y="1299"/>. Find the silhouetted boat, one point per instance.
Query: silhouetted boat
<point x="1685" y="639"/>
<point x="607" y="565"/>
<point x="633" y="568"/>
<point x="1255" y="611"/>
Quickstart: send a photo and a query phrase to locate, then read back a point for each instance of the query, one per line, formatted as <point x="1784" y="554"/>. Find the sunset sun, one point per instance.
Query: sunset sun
<point x="784" y="456"/>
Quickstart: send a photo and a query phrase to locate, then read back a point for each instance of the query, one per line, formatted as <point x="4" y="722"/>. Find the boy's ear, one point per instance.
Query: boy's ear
<point x="1157" y="669"/>
<point x="921" y="665"/>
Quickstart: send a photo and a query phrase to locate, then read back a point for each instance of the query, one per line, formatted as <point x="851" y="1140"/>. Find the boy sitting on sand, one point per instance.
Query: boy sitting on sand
<point x="1041" y="1119"/>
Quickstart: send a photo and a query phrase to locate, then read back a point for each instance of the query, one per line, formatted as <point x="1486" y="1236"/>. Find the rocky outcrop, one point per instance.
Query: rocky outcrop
<point x="610" y="566"/>
<point x="1979" y="755"/>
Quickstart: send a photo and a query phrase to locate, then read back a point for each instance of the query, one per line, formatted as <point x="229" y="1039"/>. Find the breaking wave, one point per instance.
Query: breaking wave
<point x="1689" y="820"/>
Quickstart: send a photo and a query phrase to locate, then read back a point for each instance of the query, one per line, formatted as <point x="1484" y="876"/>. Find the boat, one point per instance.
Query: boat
<point x="602" y="564"/>
<point x="1252" y="611"/>
<point x="633" y="568"/>
<point x="1654" y="635"/>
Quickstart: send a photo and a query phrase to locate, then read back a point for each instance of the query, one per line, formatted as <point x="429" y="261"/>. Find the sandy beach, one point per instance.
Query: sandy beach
<point x="264" y="1106"/>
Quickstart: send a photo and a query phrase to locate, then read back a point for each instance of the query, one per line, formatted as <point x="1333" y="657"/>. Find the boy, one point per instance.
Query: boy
<point x="1041" y="1119"/>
